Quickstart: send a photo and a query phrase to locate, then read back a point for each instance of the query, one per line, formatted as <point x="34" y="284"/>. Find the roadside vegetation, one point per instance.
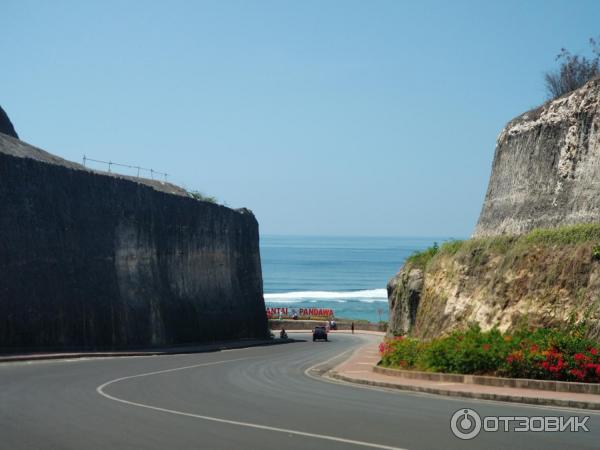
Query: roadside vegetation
<point x="504" y="244"/>
<point x="543" y="354"/>
<point x="553" y="273"/>
<point x="422" y="258"/>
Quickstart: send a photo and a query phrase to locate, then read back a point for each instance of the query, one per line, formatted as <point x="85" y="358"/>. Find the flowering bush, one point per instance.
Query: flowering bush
<point x="542" y="354"/>
<point x="470" y="352"/>
<point x="400" y="351"/>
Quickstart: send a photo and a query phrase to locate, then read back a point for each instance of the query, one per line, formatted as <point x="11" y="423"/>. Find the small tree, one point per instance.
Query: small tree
<point x="574" y="71"/>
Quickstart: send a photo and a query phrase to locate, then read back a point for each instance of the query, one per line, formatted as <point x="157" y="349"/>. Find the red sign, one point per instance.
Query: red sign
<point x="284" y="312"/>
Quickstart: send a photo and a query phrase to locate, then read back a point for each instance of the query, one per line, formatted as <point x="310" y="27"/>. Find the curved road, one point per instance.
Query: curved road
<point x="254" y="398"/>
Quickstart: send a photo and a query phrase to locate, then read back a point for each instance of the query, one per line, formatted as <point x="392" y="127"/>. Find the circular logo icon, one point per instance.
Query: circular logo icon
<point x="465" y="424"/>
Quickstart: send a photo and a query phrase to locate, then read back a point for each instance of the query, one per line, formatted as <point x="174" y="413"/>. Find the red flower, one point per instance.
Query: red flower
<point x="579" y="374"/>
<point x="594" y="351"/>
<point x="485" y="347"/>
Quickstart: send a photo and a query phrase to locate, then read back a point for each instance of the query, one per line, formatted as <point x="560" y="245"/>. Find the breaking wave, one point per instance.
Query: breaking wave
<point x="366" y="296"/>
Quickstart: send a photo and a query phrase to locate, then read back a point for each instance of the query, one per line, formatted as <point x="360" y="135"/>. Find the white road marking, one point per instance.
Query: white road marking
<point x="100" y="390"/>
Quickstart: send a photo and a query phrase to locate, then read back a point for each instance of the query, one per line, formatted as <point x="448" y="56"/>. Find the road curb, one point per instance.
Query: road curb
<point x="158" y="352"/>
<point x="520" y="383"/>
<point x="468" y="394"/>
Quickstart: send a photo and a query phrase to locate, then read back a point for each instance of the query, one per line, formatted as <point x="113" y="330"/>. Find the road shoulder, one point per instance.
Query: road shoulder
<point x="358" y="369"/>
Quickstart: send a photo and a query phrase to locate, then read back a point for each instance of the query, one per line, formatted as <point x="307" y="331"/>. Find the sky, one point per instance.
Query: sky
<point x="371" y="118"/>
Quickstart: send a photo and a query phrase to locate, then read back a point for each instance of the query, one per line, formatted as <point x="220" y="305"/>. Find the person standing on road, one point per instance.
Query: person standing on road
<point x="352" y="327"/>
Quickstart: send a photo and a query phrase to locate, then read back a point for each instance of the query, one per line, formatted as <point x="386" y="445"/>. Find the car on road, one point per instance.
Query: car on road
<point x="320" y="333"/>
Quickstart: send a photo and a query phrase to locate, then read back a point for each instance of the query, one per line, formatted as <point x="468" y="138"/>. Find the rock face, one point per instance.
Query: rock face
<point x="546" y="169"/>
<point x="545" y="174"/>
<point x="94" y="261"/>
<point x="538" y="285"/>
<point x="404" y="294"/>
<point x="6" y="125"/>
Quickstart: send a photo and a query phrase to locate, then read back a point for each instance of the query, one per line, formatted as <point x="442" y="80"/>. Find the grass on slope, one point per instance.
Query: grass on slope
<point x="567" y="235"/>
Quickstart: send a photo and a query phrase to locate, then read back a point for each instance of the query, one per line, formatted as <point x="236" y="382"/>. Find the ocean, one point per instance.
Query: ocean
<point x="346" y="274"/>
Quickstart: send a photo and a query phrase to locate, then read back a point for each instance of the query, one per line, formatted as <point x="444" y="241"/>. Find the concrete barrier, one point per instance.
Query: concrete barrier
<point x="290" y="324"/>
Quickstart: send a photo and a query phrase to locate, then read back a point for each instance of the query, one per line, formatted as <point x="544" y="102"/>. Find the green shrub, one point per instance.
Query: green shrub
<point x="596" y="252"/>
<point x="421" y="259"/>
<point x="400" y="352"/>
<point x="472" y="352"/>
<point x="197" y="195"/>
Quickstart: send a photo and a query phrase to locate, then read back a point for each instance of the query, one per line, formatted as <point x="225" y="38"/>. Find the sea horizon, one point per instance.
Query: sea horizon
<point x="348" y="274"/>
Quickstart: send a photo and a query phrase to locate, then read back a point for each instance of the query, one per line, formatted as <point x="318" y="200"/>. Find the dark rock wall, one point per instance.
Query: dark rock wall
<point x="546" y="169"/>
<point x="404" y="297"/>
<point x="6" y="125"/>
<point x="92" y="261"/>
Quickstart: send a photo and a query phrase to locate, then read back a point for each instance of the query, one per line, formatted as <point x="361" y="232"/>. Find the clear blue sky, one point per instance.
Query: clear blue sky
<point x="323" y="117"/>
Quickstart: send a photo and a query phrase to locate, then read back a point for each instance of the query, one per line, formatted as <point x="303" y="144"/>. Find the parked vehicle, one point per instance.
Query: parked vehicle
<point x="320" y="333"/>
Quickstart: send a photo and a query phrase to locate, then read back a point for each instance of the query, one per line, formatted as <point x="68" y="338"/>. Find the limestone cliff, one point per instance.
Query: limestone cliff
<point x="504" y="283"/>
<point x="534" y="255"/>
<point x="546" y="169"/>
<point x="90" y="260"/>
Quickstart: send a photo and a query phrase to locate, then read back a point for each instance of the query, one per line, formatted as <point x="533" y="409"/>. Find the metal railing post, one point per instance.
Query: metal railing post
<point x="138" y="169"/>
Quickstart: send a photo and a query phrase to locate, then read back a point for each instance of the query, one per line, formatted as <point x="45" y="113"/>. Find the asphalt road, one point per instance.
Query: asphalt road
<point x="254" y="398"/>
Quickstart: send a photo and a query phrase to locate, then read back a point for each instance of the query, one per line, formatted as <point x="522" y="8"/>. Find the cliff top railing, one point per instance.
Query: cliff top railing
<point x="139" y="169"/>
